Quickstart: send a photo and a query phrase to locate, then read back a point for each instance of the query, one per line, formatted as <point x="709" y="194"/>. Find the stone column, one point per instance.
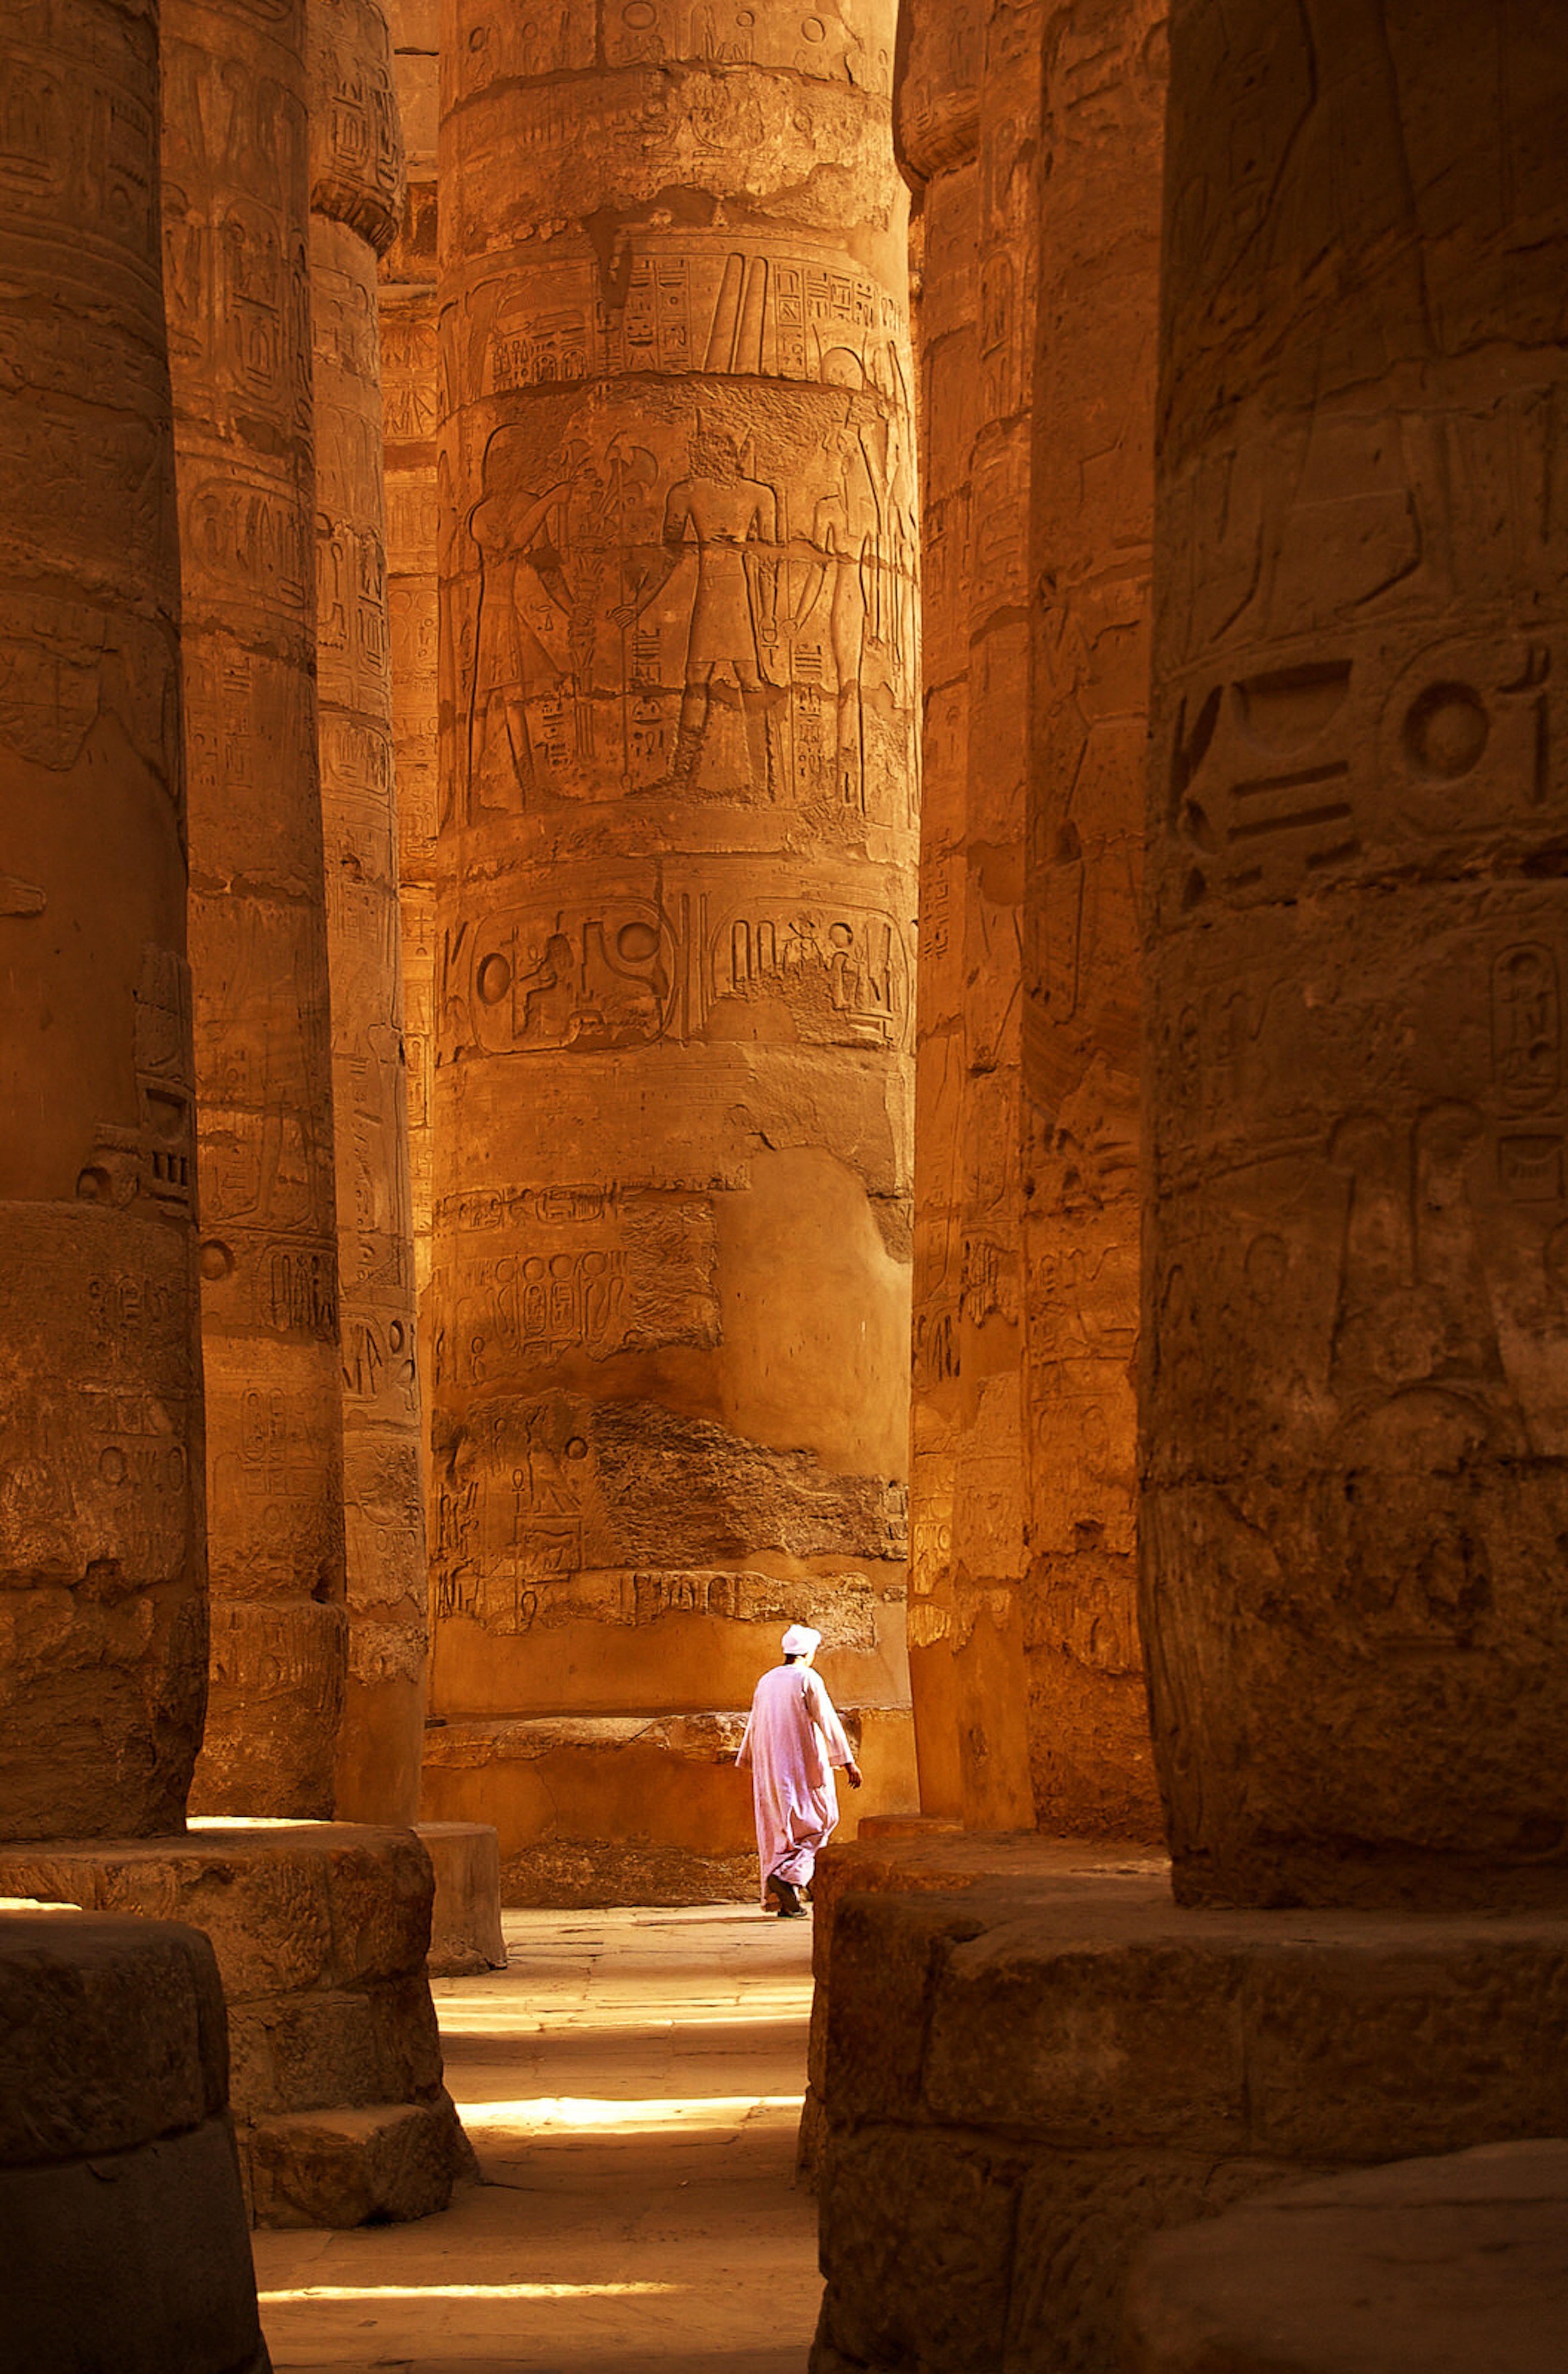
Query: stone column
<point x="236" y="211"/>
<point x="408" y="383"/>
<point x="968" y="114"/>
<point x="674" y="990"/>
<point x="1103" y="132"/>
<point x="102" y="1661"/>
<point x="355" y="198"/>
<point x="1357" y="1415"/>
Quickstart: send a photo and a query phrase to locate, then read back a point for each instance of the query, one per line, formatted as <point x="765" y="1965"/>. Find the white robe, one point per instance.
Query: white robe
<point x="793" y="1740"/>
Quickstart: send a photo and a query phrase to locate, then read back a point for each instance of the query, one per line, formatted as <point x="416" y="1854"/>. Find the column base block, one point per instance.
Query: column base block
<point x="320" y="1930"/>
<point x="1024" y="2076"/>
<point x="124" y="2237"/>
<point x="466" y="1924"/>
<point x="595" y="1810"/>
<point x="1459" y="2264"/>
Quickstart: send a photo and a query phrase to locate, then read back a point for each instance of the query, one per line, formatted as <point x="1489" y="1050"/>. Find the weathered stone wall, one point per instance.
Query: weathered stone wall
<point x="967" y="111"/>
<point x="103" y="1614"/>
<point x="355" y="198"/>
<point x="1355" y="1422"/>
<point x="1092" y="451"/>
<point x="236" y="213"/>
<point x="674" y="967"/>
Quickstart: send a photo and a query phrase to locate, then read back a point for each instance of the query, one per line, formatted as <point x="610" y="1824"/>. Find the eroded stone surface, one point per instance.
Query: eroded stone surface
<point x="674" y="967"/>
<point x="102" y="1614"/>
<point x="408" y="388"/>
<point x="1022" y="2080"/>
<point x="1459" y="2266"/>
<point x="235" y="187"/>
<point x="1091" y="445"/>
<point x="122" y="2227"/>
<point x="967" y="110"/>
<point x="465" y="1918"/>
<point x="1354" y="1422"/>
<point x="633" y="1809"/>
<point x="355" y="201"/>
<point x="320" y="1932"/>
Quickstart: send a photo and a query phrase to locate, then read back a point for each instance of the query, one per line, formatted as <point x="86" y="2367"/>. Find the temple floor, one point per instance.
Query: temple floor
<point x="632" y="2086"/>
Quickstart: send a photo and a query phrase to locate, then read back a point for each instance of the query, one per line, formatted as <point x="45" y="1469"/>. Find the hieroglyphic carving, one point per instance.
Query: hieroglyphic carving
<point x="678" y="706"/>
<point x="625" y="972"/>
<point x="408" y="380"/>
<point x="356" y="171"/>
<point x="235" y="213"/>
<point x="102" y="1600"/>
<point x="968" y="113"/>
<point x="1356" y="1411"/>
<point x="778" y="664"/>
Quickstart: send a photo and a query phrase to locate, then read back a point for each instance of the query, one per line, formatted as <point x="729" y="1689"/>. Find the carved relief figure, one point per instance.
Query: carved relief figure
<point x="731" y="521"/>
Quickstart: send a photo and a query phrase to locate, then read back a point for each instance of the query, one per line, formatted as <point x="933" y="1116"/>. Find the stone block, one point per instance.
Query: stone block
<point x="100" y="2046"/>
<point x="1457" y="2264"/>
<point x="887" y="1959"/>
<point x="310" y="2051"/>
<point x="465" y="1921"/>
<point x="1019" y="2080"/>
<point x="917" y="2246"/>
<point x="123" y="2225"/>
<point x="319" y="1932"/>
<point x="137" y="2259"/>
<point x="382" y="2163"/>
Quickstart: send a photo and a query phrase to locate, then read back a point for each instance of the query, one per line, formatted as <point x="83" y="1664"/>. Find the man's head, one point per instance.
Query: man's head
<point x="800" y="1644"/>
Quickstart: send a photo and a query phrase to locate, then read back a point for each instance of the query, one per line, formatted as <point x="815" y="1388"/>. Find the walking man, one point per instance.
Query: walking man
<point x="793" y="1741"/>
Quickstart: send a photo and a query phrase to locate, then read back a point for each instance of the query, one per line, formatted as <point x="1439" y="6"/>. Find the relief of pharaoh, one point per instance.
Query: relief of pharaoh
<point x="554" y="542"/>
<point x="727" y="524"/>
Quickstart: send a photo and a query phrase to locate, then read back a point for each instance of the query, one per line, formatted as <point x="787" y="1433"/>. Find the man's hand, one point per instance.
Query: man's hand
<point x="852" y="1774"/>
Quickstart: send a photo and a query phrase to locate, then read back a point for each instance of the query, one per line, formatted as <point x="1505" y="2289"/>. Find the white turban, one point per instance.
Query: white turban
<point x="799" y="1640"/>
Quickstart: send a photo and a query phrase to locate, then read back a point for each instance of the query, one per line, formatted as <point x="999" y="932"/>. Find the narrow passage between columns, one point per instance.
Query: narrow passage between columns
<point x="632" y="2086"/>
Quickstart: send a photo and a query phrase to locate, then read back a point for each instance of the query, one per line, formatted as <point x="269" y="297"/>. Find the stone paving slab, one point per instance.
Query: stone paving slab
<point x="631" y="2084"/>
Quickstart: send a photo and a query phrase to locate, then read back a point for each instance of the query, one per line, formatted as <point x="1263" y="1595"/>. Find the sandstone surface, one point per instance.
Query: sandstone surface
<point x="356" y="204"/>
<point x="1353" y="1414"/>
<point x="1459" y="2266"/>
<point x="673" y="988"/>
<point x="319" y="1932"/>
<point x="236" y="195"/>
<point x="465" y="1916"/>
<point x="122" y="2227"/>
<point x="1090" y="435"/>
<point x="1024" y="2080"/>
<point x="102" y="1591"/>
<point x="966" y="110"/>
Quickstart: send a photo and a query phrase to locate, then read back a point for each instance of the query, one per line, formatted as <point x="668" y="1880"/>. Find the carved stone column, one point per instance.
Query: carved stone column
<point x="355" y="198"/>
<point x="408" y="384"/>
<point x="236" y="212"/>
<point x="968" y="115"/>
<point x="1356" y="1498"/>
<point x="102" y="1665"/>
<point x="1103" y="132"/>
<point x="675" y="892"/>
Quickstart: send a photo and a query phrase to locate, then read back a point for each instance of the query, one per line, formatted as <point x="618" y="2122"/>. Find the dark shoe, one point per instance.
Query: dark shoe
<point x="783" y="1891"/>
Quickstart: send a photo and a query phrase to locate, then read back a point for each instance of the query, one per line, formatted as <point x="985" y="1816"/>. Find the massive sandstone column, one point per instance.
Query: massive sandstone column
<point x="356" y="196"/>
<point x="1102" y="134"/>
<point x="102" y="1652"/>
<point x="408" y="387"/>
<point x="236" y="208"/>
<point x="1357" y="1415"/>
<point x="673" y="989"/>
<point x="968" y="115"/>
